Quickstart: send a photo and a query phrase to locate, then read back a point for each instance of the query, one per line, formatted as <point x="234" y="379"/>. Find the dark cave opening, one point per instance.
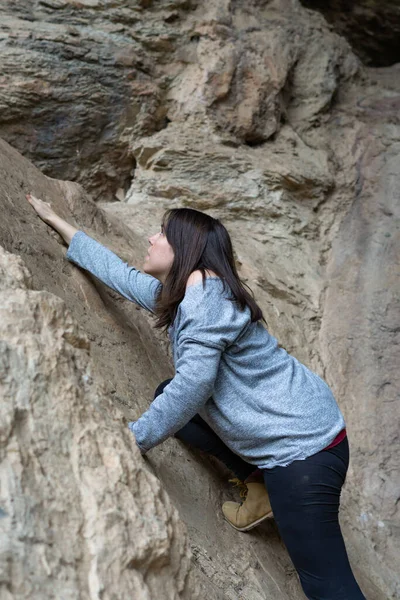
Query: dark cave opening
<point x="371" y="27"/>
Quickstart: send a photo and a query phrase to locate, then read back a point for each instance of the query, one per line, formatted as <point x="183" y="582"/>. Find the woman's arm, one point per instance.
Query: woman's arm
<point x="89" y="254"/>
<point x="207" y="326"/>
<point x="196" y="371"/>
<point x="131" y="283"/>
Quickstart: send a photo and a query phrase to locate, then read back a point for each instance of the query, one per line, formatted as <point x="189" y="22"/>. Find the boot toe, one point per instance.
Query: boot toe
<point x="230" y="510"/>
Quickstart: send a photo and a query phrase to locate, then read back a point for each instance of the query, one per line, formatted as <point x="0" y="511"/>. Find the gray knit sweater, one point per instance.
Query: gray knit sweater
<point x="262" y="402"/>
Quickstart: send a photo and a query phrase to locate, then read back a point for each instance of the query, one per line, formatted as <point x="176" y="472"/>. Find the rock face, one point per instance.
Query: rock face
<point x="360" y="332"/>
<point x="80" y="516"/>
<point x="260" y="115"/>
<point x="80" y="80"/>
<point x="82" y="83"/>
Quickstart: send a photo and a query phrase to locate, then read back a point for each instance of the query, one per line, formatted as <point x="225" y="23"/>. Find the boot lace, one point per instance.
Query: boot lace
<point x="241" y="485"/>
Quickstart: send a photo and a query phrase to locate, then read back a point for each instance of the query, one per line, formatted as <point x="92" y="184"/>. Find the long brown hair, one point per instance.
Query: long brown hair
<point x="199" y="242"/>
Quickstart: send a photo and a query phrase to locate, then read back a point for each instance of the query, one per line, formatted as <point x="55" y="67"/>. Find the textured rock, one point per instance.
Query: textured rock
<point x="264" y="119"/>
<point x="74" y="81"/>
<point x="80" y="516"/>
<point x="79" y="80"/>
<point x="251" y="63"/>
<point x="360" y="332"/>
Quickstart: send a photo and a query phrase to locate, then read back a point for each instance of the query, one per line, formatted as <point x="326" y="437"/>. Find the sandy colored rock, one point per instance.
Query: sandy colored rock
<point x="262" y="116"/>
<point x="80" y="516"/>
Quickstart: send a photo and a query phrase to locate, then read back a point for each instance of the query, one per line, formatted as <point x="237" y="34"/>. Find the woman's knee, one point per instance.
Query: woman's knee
<point x="160" y="387"/>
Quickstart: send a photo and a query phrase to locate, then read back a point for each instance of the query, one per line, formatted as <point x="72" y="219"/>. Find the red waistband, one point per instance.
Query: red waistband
<point x="340" y="436"/>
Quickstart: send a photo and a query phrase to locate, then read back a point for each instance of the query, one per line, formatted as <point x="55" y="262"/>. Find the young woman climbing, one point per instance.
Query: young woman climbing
<point x="236" y="393"/>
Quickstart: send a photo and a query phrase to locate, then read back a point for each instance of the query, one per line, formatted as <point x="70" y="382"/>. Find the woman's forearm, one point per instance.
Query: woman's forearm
<point x="66" y="230"/>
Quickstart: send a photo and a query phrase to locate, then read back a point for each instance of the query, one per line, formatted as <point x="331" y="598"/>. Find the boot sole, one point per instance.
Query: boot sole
<point x="254" y="524"/>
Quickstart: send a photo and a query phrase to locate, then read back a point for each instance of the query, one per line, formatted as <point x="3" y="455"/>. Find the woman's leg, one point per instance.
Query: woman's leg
<point x="305" y="499"/>
<point x="198" y="434"/>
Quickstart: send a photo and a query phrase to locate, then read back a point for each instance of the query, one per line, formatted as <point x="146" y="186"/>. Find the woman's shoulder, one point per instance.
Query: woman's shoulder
<point x="197" y="277"/>
<point x="211" y="305"/>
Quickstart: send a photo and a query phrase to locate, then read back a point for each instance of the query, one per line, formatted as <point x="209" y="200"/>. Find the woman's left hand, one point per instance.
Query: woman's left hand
<point x="43" y="209"/>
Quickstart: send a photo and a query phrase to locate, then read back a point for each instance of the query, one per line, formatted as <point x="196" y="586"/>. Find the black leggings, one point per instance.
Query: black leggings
<point x="305" y="498"/>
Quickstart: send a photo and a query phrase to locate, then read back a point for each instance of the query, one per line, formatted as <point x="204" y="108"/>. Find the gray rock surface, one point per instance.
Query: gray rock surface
<point x="75" y="80"/>
<point x="80" y="79"/>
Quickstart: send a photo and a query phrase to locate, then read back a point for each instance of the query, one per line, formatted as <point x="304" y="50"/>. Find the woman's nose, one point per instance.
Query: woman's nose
<point x="152" y="238"/>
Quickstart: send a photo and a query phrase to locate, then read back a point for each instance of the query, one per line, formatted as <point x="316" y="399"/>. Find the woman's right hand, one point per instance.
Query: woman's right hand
<point x="43" y="209"/>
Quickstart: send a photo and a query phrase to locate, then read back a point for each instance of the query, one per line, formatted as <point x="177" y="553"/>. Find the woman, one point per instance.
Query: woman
<point x="236" y="393"/>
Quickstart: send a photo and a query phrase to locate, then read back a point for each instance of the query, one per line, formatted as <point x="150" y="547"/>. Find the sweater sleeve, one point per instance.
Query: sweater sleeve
<point x="115" y="273"/>
<point x="182" y="398"/>
<point x="199" y="350"/>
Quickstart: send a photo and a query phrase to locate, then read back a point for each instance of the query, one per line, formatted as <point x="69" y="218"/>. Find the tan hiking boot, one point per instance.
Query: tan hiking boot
<point x="255" y="508"/>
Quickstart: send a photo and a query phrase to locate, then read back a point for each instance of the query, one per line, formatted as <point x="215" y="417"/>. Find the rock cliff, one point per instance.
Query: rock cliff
<point x="261" y="115"/>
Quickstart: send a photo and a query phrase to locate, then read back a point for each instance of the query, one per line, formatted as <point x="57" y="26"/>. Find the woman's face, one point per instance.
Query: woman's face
<point x="160" y="256"/>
